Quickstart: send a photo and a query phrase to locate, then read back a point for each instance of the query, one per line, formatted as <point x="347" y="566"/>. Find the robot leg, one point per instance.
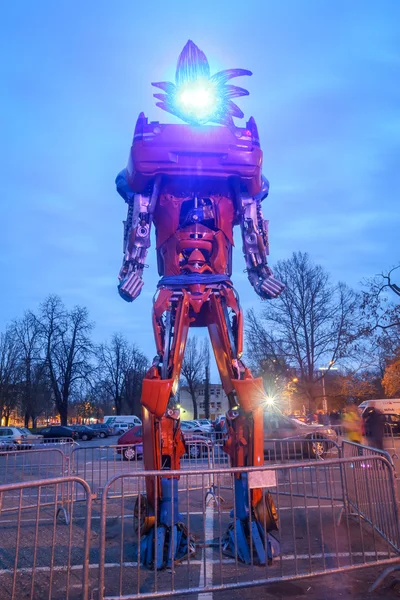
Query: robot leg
<point x="245" y="440"/>
<point x="157" y="519"/>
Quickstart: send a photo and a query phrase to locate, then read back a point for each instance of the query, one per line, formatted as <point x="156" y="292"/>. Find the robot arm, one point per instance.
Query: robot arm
<point x="136" y="237"/>
<point x="256" y="247"/>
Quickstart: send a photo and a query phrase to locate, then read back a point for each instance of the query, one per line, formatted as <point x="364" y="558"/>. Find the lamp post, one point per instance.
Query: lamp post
<point x="291" y="388"/>
<point x="324" y="397"/>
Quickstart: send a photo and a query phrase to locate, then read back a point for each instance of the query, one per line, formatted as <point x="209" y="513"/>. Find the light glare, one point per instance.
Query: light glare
<point x="198" y="99"/>
<point x="269" y="400"/>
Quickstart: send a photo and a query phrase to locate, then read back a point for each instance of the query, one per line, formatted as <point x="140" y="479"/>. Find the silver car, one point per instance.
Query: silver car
<point x="285" y="437"/>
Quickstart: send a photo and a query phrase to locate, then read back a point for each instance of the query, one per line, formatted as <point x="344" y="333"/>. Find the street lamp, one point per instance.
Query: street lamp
<point x="324" y="398"/>
<point x="291" y="389"/>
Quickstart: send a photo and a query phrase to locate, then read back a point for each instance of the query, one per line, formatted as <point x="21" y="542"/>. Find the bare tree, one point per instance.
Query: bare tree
<point x="193" y="370"/>
<point x="67" y="348"/>
<point x="381" y="309"/>
<point x="27" y="335"/>
<point x="123" y="367"/>
<point x="10" y="373"/>
<point x="133" y="381"/>
<point x="313" y="323"/>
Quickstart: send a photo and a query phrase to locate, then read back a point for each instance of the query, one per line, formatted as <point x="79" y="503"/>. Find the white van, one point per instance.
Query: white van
<point x="127" y="421"/>
<point x="387" y="406"/>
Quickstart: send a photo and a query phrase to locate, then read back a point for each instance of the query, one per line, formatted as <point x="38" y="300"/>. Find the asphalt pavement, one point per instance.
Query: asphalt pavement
<point x="314" y="534"/>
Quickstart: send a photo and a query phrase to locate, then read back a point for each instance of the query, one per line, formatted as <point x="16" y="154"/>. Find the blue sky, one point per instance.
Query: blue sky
<point x="74" y="75"/>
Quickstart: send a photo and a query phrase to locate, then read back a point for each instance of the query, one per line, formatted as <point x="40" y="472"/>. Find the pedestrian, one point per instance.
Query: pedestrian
<point x="353" y="424"/>
<point x="374" y="427"/>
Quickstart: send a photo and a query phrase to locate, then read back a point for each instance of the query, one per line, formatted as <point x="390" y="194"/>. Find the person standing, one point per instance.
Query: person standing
<point x="374" y="426"/>
<point x="353" y="424"/>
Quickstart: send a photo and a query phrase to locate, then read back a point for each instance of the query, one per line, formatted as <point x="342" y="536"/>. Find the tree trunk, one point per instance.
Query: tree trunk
<point x="63" y="410"/>
<point x="194" y="408"/>
<point x="194" y="401"/>
<point x="26" y="419"/>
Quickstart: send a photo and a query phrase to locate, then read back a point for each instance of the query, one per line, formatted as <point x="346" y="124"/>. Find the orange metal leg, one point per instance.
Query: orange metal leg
<point x="245" y="442"/>
<point x="161" y="433"/>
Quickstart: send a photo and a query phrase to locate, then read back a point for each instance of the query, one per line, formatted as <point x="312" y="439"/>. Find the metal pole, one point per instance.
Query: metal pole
<point x="324" y="401"/>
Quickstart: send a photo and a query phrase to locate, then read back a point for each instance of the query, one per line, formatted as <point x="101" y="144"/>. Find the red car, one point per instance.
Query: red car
<point x="134" y="438"/>
<point x="196" y="445"/>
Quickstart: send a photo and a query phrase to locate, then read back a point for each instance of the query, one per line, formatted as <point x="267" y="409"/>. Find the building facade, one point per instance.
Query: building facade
<point x="219" y="404"/>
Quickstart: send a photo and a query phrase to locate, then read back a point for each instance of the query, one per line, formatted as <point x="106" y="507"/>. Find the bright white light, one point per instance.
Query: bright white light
<point x="269" y="401"/>
<point x="197" y="99"/>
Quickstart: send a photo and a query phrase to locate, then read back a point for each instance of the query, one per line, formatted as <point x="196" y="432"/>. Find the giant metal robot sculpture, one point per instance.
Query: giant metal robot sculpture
<point x="196" y="181"/>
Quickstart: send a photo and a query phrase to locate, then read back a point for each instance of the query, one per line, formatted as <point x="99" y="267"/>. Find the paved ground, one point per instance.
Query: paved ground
<point x="309" y="503"/>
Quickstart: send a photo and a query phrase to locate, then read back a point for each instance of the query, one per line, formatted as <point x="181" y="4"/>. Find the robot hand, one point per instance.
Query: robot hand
<point x="131" y="282"/>
<point x="264" y="282"/>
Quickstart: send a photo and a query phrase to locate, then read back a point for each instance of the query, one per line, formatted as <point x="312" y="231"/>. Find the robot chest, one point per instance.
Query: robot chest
<point x="184" y="214"/>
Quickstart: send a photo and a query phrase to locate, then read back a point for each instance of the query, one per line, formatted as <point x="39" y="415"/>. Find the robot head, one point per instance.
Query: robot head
<point x="198" y="97"/>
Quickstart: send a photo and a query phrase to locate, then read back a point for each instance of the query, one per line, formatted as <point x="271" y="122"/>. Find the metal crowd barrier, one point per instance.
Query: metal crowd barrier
<point x="65" y="444"/>
<point x="370" y="494"/>
<point x="389" y="440"/>
<point x="352" y="449"/>
<point x="21" y="466"/>
<point x="339" y="429"/>
<point x="334" y="515"/>
<point x="96" y="464"/>
<point x="278" y="451"/>
<point x="43" y="556"/>
<point x="318" y="534"/>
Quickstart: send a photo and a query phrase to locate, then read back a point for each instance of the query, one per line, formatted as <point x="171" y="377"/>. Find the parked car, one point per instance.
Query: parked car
<point x="196" y="445"/>
<point x="132" y="452"/>
<point x="16" y="438"/>
<point x="121" y="427"/>
<point x="8" y="446"/>
<point x="59" y="432"/>
<point x="278" y="427"/>
<point x="131" y="443"/>
<point x="202" y="425"/>
<point x="29" y="434"/>
<point x="102" y="430"/>
<point x="131" y="420"/>
<point x="204" y="422"/>
<point x="134" y="438"/>
<point x="191" y="426"/>
<point x="84" y="432"/>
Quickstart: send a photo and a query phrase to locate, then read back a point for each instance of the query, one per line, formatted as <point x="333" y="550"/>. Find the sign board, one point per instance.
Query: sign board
<point x="262" y="479"/>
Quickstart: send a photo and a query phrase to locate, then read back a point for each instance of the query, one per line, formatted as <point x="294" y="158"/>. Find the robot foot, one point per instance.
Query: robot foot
<point x="162" y="546"/>
<point x="165" y="540"/>
<point x="249" y="542"/>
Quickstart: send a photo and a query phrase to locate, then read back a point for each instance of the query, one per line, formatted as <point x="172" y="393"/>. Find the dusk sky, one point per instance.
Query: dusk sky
<point x="325" y="93"/>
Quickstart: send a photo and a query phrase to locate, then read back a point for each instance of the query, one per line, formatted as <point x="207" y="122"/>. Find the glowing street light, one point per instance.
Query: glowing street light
<point x="270" y="401"/>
